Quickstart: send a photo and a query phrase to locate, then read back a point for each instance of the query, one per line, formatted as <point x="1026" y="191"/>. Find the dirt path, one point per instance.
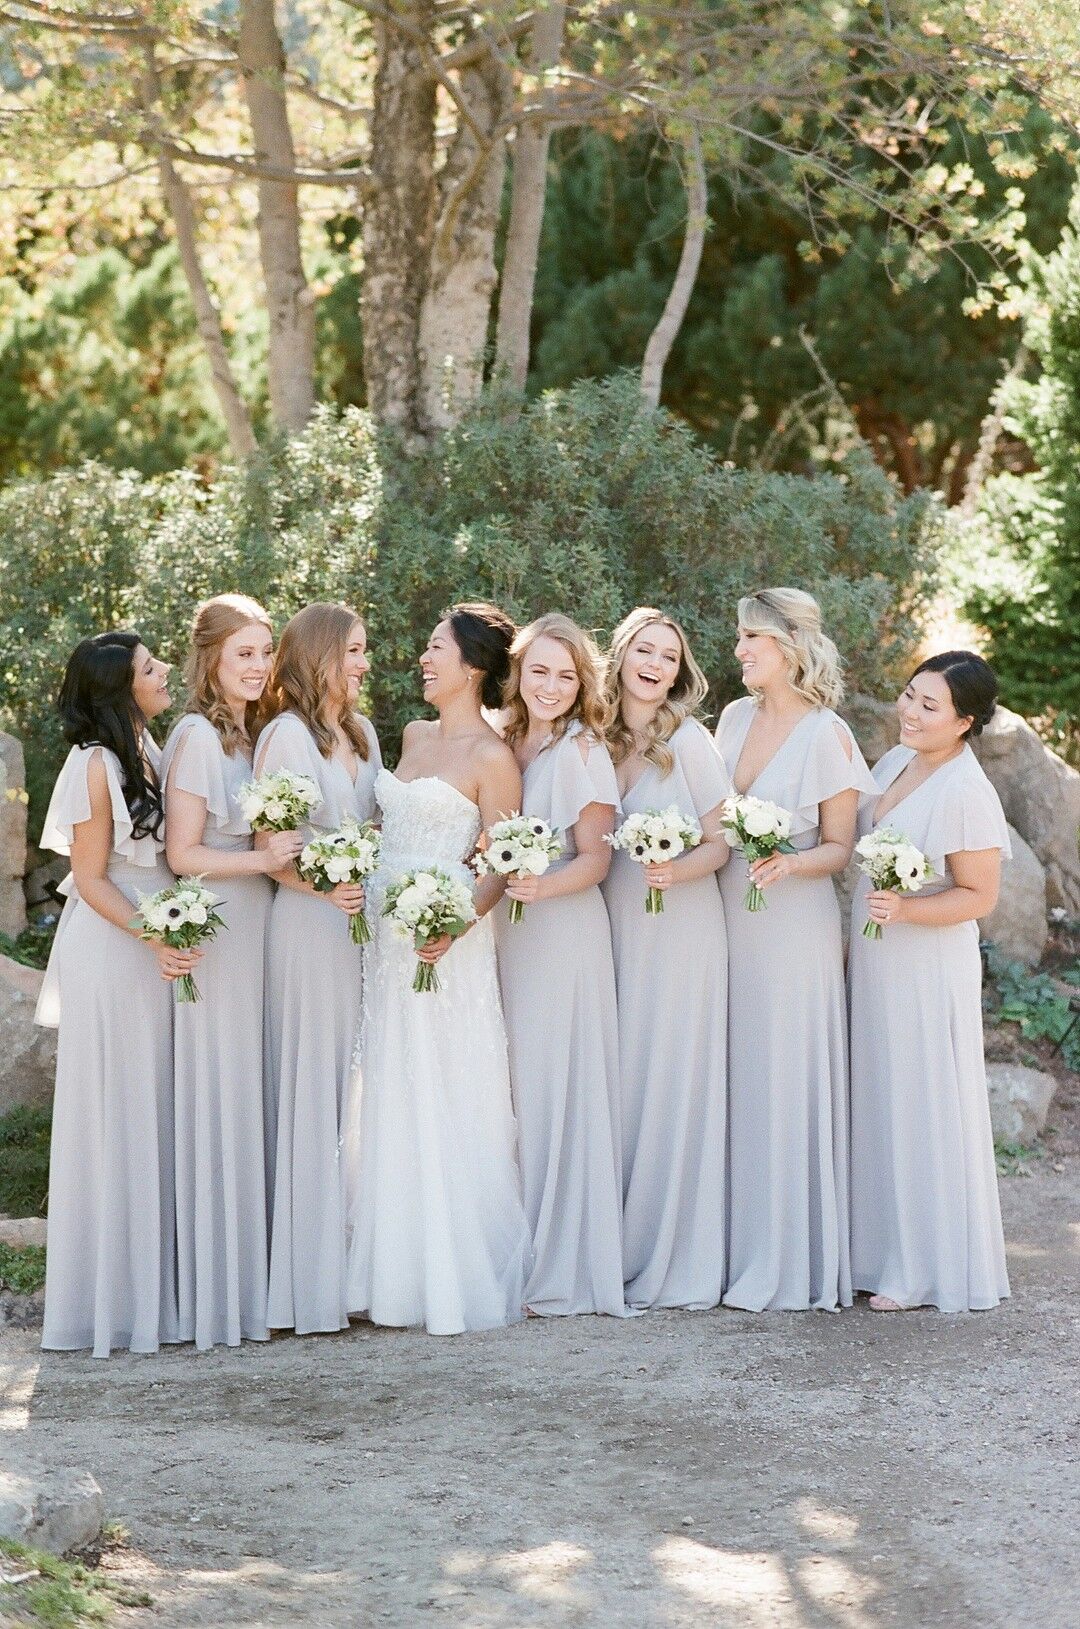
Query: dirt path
<point x="709" y="1469"/>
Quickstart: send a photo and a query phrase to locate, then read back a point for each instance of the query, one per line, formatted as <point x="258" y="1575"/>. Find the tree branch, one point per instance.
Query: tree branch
<point x="664" y="334"/>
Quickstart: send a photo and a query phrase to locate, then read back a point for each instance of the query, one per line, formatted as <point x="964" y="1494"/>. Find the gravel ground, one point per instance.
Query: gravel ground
<point x="719" y="1469"/>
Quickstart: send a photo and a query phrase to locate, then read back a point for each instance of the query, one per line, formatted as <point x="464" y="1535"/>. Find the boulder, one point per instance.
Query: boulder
<point x="50" y="1508"/>
<point x="12" y="836"/>
<point x="1041" y="797"/>
<point x="27" y="1052"/>
<point x="1018" y="925"/>
<point x="1020" y="1101"/>
<point x="874" y="724"/>
<point x="18" y="1232"/>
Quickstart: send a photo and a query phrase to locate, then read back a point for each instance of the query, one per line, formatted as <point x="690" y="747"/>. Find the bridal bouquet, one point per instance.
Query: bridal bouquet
<point x="422" y="906"/>
<point x="890" y="861"/>
<point x="756" y="828"/>
<point x="347" y="855"/>
<point x="279" y="801"/>
<point x="182" y="917"/>
<point x="521" y="845"/>
<point x="651" y="838"/>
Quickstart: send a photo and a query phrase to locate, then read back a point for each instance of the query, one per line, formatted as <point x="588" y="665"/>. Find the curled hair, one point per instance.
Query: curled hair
<point x="308" y="669"/>
<point x="793" y="618"/>
<point x="589" y="706"/>
<point x="972" y="685"/>
<point x="483" y="634"/>
<point x="216" y="621"/>
<point x="97" y="708"/>
<point x="681" y="702"/>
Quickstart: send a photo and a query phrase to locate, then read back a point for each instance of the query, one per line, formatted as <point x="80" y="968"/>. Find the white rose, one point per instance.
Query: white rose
<point x="426" y="885"/>
<point x="338" y="868"/>
<point x="196" y="914"/>
<point x="411" y="904"/>
<point x="274" y="810"/>
<point x="759" y="821"/>
<point x="534" y="862"/>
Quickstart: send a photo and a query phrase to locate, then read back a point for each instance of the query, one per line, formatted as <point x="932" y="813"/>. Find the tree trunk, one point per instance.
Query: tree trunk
<point x="666" y="331"/>
<point x="290" y="305"/>
<point x="528" y="188"/>
<point x="207" y="320"/>
<point x="399" y="217"/>
<point x="456" y="308"/>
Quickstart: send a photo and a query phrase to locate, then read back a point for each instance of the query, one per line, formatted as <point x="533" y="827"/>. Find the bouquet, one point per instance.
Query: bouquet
<point x="422" y="906"/>
<point x="521" y="845"/>
<point x="757" y="828"/>
<point x="348" y="855"/>
<point x="279" y="801"/>
<point x="653" y="837"/>
<point x="182" y="917"/>
<point x="890" y="861"/>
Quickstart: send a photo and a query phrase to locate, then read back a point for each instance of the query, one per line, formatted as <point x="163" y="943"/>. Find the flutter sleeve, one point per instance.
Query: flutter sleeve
<point x="967" y="817"/>
<point x="69" y="807"/>
<point x="576" y="782"/>
<point x="703" y="769"/>
<point x="194" y="761"/>
<point x="287" y="743"/>
<point x="827" y="771"/>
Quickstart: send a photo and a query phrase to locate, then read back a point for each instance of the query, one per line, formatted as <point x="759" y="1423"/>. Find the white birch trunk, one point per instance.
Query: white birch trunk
<point x="666" y="331"/>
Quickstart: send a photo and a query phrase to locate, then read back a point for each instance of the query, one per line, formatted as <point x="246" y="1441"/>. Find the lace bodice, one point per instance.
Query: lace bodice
<point x="425" y="822"/>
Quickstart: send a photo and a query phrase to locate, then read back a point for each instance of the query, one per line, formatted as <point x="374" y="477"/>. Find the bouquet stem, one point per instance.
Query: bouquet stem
<point x="517" y="910"/>
<point x="359" y="932"/>
<point x="426" y="978"/>
<point x="654" y="902"/>
<point x="871" y="929"/>
<point x="186" y="989"/>
<point x="755" y="898"/>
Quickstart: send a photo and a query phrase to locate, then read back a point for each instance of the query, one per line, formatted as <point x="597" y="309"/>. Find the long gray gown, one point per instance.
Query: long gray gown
<point x="787" y="1035"/>
<point x="220" y="1171"/>
<point x="110" y="1277"/>
<point x="313" y="989"/>
<point x="558" y="993"/>
<point x="671" y="983"/>
<point x="925" y="1218"/>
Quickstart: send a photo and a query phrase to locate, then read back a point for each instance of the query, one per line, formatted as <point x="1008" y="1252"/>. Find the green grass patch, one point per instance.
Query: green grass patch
<point x="22" y="1270"/>
<point x="32" y="946"/>
<point x="1014" y="1159"/>
<point x="24" y="1161"/>
<point x="58" y="1594"/>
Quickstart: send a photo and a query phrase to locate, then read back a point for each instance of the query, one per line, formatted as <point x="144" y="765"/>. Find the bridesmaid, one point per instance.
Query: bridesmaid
<point x="925" y="1219"/>
<point x="671" y="975"/>
<point x="558" y="980"/>
<point x="787" y="1030"/>
<point x="220" y="1176"/>
<point x="313" y="969"/>
<point x="110" y="1277"/>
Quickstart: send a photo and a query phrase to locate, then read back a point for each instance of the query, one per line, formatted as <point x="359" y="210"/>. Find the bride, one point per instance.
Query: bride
<point x="437" y="1232"/>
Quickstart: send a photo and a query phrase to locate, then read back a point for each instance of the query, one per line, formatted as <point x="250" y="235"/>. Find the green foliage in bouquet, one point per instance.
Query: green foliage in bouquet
<point x="581" y="502"/>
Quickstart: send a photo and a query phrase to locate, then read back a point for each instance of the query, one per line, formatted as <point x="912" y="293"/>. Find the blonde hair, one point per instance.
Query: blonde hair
<point x="681" y="702"/>
<point x="215" y="621"/>
<point x="308" y="668"/>
<point x="793" y="618"/>
<point x="589" y="706"/>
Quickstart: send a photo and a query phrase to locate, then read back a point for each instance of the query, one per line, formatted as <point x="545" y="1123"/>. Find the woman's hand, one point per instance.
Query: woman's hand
<point x="774" y="868"/>
<point x="660" y="876"/>
<point x="279" y="849"/>
<point x="435" y="949"/>
<point x="525" y="888"/>
<point x="172" y="963"/>
<point x="885" y="906"/>
<point x="347" y="896"/>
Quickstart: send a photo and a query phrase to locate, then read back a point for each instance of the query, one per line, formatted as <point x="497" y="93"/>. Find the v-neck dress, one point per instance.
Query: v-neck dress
<point x="671" y="984"/>
<point x="787" y="1040"/>
<point x="313" y="989"/>
<point x="558" y="992"/>
<point x="925" y="1216"/>
<point x="218" y="1069"/>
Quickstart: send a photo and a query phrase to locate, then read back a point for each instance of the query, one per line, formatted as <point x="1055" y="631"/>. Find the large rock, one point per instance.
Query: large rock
<point x="1020" y="1101"/>
<point x="1018" y="925"/>
<point x="874" y="724"/>
<point x="50" y="1508"/>
<point x="12" y="836"/>
<point x="27" y="1053"/>
<point x="1041" y="797"/>
<point x="18" y="1232"/>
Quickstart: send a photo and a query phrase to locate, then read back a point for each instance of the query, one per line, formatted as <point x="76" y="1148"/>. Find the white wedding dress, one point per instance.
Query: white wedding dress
<point x="436" y="1228"/>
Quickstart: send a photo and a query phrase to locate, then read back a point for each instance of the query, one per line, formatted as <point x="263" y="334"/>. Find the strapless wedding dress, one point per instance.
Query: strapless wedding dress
<point x="437" y="1234"/>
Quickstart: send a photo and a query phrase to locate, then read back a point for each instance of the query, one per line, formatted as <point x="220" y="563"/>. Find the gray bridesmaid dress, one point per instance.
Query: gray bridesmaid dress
<point x="110" y="1276"/>
<point x="558" y="992"/>
<point x="787" y="1034"/>
<point x="671" y="983"/>
<point x="925" y="1217"/>
<point x="218" y="1071"/>
<point x="313" y="988"/>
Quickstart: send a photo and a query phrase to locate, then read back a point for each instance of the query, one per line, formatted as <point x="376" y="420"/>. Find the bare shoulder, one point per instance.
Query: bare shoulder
<point x="97" y="780"/>
<point x="416" y="730"/>
<point x="490" y="752"/>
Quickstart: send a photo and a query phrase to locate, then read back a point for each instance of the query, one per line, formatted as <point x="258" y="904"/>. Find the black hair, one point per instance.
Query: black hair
<point x="483" y="634"/>
<point x="97" y="709"/>
<point x="972" y="685"/>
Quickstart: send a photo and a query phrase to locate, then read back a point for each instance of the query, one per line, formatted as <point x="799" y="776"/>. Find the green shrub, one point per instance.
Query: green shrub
<point x="22" y="1271"/>
<point x="24" y="1161"/>
<point x="580" y="502"/>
